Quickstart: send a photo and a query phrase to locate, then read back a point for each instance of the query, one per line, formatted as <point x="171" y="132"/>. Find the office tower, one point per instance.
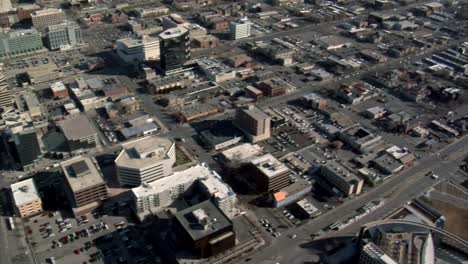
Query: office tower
<point x="5" y="6"/>
<point x="85" y="186"/>
<point x="66" y="34"/>
<point x="145" y="48"/>
<point x="41" y="19"/>
<point x="268" y="174"/>
<point x="6" y="100"/>
<point x="175" y="49"/>
<point x="204" y="229"/>
<point x="240" y="29"/>
<point x="25" y="149"/>
<point x="26" y="198"/>
<point x="20" y="41"/>
<point x="145" y="160"/>
<point x="254" y="123"/>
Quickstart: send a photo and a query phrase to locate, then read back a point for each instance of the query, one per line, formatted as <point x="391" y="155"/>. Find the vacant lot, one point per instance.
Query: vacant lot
<point x="456" y="218"/>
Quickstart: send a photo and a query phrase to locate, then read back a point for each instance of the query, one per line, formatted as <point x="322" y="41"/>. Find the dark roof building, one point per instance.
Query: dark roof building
<point x="205" y="229"/>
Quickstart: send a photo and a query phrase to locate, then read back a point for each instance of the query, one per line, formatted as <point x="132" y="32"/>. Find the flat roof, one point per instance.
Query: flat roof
<point x="24" y="191"/>
<point x="144" y="152"/>
<point x="269" y="165"/>
<point x="255" y="112"/>
<point x="187" y="176"/>
<point x="242" y="152"/>
<point x="173" y="33"/>
<point x="77" y="128"/>
<point x="202" y="220"/>
<point x="81" y="173"/>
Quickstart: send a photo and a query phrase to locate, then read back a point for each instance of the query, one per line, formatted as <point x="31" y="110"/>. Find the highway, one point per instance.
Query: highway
<point x="398" y="190"/>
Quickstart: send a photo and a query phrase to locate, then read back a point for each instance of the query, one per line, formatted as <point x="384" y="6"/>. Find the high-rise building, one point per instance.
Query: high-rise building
<point x="254" y="123"/>
<point x="240" y="29"/>
<point x="19" y="42"/>
<point x="85" y="186"/>
<point x="25" y="149"/>
<point x="145" y="48"/>
<point x="41" y="19"/>
<point x="6" y="100"/>
<point x="66" y="34"/>
<point x="145" y="160"/>
<point x="175" y="49"/>
<point x="5" y="6"/>
<point x="26" y="198"/>
<point x="268" y="174"/>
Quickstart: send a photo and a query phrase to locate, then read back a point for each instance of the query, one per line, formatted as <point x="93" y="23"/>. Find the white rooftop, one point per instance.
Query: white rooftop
<point x="214" y="184"/>
<point x="187" y="176"/>
<point x="242" y="152"/>
<point x="58" y="86"/>
<point x="173" y="33"/>
<point x="144" y="152"/>
<point x="24" y="191"/>
<point x="269" y="165"/>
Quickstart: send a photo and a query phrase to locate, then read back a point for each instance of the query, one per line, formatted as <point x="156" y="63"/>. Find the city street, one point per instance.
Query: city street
<point x="398" y="189"/>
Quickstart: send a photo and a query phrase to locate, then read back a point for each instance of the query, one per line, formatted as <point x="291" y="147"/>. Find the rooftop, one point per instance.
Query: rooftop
<point x="144" y="152"/>
<point x="242" y="152"/>
<point x="24" y="191"/>
<point x="269" y="165"/>
<point x="81" y="173"/>
<point x="255" y="112"/>
<point x="77" y="128"/>
<point x="173" y="33"/>
<point x="202" y="220"/>
<point x="342" y="171"/>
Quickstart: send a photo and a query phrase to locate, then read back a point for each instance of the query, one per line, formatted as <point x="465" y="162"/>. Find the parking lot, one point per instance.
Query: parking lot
<point x="56" y="239"/>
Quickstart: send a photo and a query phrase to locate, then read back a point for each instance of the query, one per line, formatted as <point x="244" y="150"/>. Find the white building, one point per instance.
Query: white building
<point x="5" y="6"/>
<point x="132" y="50"/>
<point x="240" y="29"/>
<point x="222" y="194"/>
<point x="26" y="197"/>
<point x="145" y="160"/>
<point x="151" y="198"/>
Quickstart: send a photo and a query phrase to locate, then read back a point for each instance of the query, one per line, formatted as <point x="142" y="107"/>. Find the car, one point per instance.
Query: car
<point x="435" y="176"/>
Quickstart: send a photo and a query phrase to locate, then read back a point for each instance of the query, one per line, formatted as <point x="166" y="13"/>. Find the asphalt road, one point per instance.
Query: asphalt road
<point x="399" y="189"/>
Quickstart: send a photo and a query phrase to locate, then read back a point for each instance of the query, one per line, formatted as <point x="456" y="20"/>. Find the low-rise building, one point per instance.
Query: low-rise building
<point x="79" y="133"/>
<point x="291" y="193"/>
<point x="26" y="198"/>
<point x="197" y="112"/>
<point x="341" y="179"/>
<point x="360" y="138"/>
<point x="273" y="87"/>
<point x="215" y="70"/>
